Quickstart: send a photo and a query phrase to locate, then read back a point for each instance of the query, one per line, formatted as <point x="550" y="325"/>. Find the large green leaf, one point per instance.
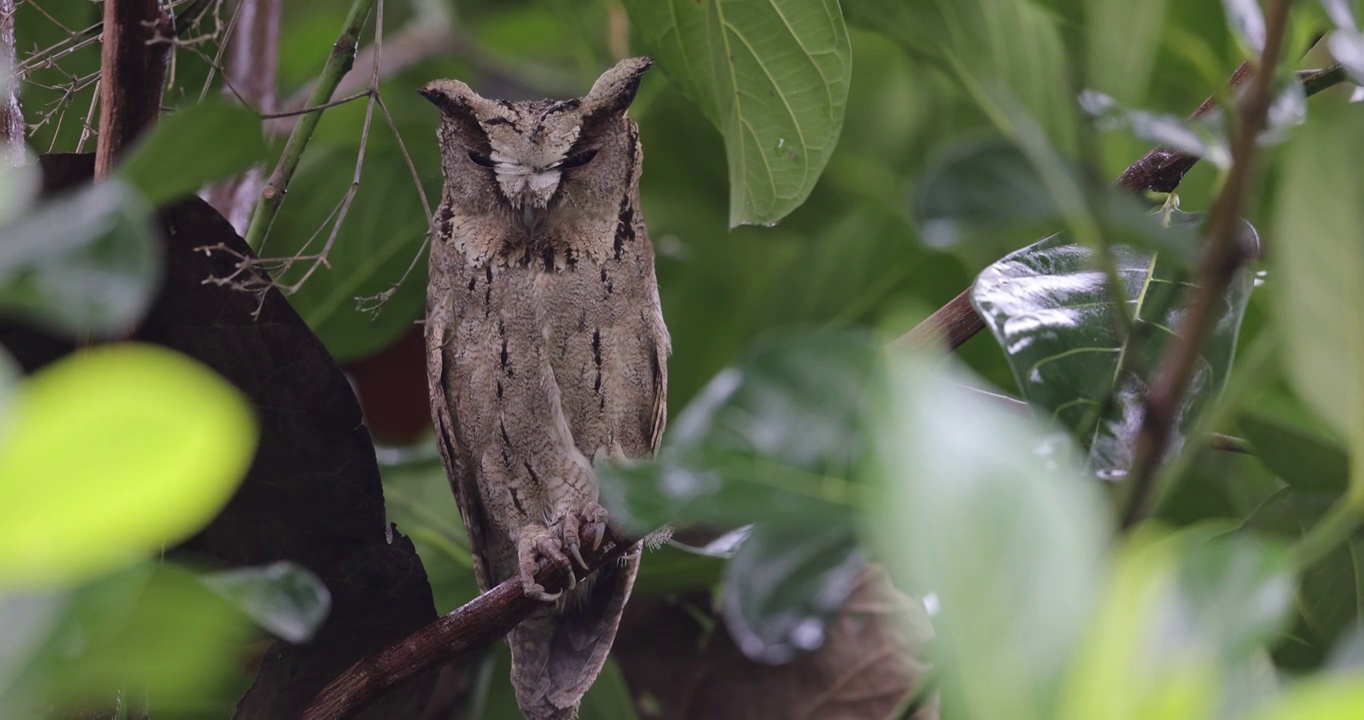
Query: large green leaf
<point x="112" y="453"/>
<point x="1182" y="614"/>
<point x="192" y="147"/>
<point x="774" y="438"/>
<point x="1319" y="296"/>
<point x="977" y="506"/>
<point x="1301" y="458"/>
<point x="1051" y="311"/>
<point x="84" y="263"/>
<point x="772" y="76"/>
<point x="1122" y="39"/>
<point x="785" y="581"/>
<point x="1329" y="593"/>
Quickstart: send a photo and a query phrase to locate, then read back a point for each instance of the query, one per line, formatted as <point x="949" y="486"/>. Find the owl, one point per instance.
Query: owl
<point x="546" y="353"/>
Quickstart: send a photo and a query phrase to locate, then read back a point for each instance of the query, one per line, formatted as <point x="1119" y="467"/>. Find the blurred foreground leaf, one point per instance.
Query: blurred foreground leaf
<point x="1182" y="613"/>
<point x="84" y="263"/>
<point x="192" y="147"/>
<point x="980" y="509"/>
<point x="282" y="597"/>
<point x="1328" y="697"/>
<point x="1051" y="311"/>
<point x="773" y="77"/>
<point x="114" y="452"/>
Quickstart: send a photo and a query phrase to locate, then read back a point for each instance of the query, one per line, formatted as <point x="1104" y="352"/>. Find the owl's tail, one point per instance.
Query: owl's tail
<point x="557" y="653"/>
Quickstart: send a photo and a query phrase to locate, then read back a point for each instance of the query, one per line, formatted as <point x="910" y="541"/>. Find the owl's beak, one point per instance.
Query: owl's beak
<point x="531" y="216"/>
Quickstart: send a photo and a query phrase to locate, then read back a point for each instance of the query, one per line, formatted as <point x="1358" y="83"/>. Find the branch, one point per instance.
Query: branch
<point x="132" y="69"/>
<point x="1225" y="255"/>
<point x="476" y="624"/>
<point x="11" y="115"/>
<point x="338" y="64"/>
<point x="1161" y="169"/>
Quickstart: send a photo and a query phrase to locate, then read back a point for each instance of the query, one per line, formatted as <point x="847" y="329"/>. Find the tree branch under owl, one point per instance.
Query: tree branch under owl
<point x="1160" y="169"/>
<point x="473" y="626"/>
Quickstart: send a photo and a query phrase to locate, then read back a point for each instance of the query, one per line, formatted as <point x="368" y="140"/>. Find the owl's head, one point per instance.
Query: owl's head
<point x="533" y="160"/>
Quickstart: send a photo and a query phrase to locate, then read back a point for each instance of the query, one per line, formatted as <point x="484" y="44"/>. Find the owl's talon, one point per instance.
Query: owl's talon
<point x="576" y="554"/>
<point x="536" y="591"/>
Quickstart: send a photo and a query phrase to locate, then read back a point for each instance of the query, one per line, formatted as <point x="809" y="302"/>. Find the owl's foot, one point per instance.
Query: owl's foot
<point x="589" y="526"/>
<point x="538" y="543"/>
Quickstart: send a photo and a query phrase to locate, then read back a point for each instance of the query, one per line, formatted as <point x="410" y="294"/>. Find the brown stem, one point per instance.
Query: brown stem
<point x="11" y="114"/>
<point x="1224" y="256"/>
<point x="132" y="71"/>
<point x="1160" y="169"/>
<point x="476" y="624"/>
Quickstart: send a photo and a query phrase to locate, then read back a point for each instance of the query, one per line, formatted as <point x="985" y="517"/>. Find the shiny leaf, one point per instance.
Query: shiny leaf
<point x="772" y="76"/>
<point x="1200" y="139"/>
<point x="1247" y="23"/>
<point x="1050" y="310"/>
<point x="1347" y="46"/>
<point x="773" y="438"/>
<point x="979" y="508"/>
<point x="112" y="453"/>
<point x="84" y="263"/>
<point x="194" y="146"/>
<point x="284" y="598"/>
<point x="785" y="582"/>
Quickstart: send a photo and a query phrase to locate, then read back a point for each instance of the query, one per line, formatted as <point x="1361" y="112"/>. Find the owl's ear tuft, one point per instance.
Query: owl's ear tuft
<point x="453" y="97"/>
<point x="615" y="89"/>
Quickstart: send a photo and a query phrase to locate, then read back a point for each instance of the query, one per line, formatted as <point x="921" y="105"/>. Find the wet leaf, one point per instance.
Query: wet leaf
<point x="785" y="582"/>
<point x="772" y="438"/>
<point x="978" y="507"/>
<point x="1050" y="310"/>
<point x="192" y="147"/>
<point x="282" y="597"/>
<point x="773" y="77"/>
<point x="84" y="263"/>
<point x="113" y="453"/>
<point x="1347" y="46"/>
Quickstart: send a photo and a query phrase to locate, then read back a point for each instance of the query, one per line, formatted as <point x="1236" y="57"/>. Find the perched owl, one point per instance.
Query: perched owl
<point x="546" y="352"/>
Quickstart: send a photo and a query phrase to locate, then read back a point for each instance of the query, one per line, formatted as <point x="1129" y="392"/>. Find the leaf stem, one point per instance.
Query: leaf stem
<point x="1225" y="255"/>
<point x="338" y="64"/>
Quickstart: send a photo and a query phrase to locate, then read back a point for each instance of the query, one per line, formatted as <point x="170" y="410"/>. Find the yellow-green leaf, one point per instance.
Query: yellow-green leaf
<point x="1331" y="697"/>
<point x="112" y="453"/>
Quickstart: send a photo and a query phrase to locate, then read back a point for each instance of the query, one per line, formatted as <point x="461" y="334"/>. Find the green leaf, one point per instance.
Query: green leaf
<point x="1328" y="598"/>
<point x="112" y="453"/>
<point x="672" y="569"/>
<point x="1122" y="39"/>
<point x="1347" y="46"/>
<point x="84" y="263"/>
<point x="772" y="76"/>
<point x="156" y="629"/>
<point x="1301" y="458"/>
<point x="977" y="506"/>
<point x="1319" y="298"/>
<point x="282" y="597"/>
<point x="773" y="438"/>
<point x="1324" y="697"/>
<point x="377" y="241"/>
<point x="192" y="147"/>
<point x="1050" y="310"/>
<point x="609" y="697"/>
<point x="785" y="582"/>
<point x="1180" y="612"/>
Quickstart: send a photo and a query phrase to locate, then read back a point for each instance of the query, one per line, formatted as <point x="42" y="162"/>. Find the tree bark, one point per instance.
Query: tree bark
<point x="131" y="74"/>
<point x="11" y="114"/>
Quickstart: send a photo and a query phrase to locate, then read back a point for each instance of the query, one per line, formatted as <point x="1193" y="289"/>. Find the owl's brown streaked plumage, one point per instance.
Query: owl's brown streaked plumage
<point x="546" y="351"/>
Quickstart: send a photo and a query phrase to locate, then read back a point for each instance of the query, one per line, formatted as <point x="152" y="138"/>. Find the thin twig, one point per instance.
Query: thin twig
<point x="338" y="64"/>
<point x="1225" y="255"/>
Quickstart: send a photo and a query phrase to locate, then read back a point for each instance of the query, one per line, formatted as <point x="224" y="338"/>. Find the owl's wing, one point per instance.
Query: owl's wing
<point x="444" y="391"/>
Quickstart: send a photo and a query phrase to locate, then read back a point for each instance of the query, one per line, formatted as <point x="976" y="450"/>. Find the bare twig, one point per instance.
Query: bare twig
<point x="1224" y="256"/>
<point x="132" y="70"/>
<point x="477" y="624"/>
<point x="338" y="64"/>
